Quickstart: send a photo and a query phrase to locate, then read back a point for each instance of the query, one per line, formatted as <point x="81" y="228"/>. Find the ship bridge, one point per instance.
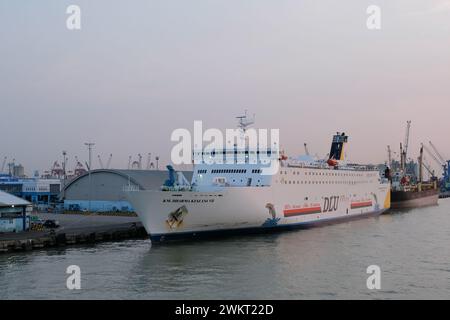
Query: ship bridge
<point x="236" y="167"/>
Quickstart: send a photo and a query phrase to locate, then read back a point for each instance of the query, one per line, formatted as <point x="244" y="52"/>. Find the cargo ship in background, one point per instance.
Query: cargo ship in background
<point x="236" y="198"/>
<point x="409" y="190"/>
<point x="444" y="181"/>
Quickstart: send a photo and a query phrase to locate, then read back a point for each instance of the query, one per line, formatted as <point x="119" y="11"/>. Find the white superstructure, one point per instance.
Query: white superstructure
<point x="237" y="197"/>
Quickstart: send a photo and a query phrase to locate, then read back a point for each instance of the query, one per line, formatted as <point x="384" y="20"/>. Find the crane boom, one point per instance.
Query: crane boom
<point x="432" y="155"/>
<point x="109" y="161"/>
<point x="149" y="159"/>
<point x="100" y="162"/>
<point x="406" y="144"/>
<point x="427" y="167"/>
<point x="139" y="161"/>
<point x="3" y="164"/>
<point x="437" y="153"/>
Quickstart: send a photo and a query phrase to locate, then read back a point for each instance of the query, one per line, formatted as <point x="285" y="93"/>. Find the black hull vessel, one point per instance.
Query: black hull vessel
<point x="414" y="199"/>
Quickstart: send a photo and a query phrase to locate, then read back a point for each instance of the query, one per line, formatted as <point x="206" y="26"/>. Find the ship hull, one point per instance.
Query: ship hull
<point x="202" y="235"/>
<point x="404" y="200"/>
<point x="171" y="215"/>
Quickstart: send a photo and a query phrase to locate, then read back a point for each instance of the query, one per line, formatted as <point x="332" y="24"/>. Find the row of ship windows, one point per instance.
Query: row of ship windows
<point x="323" y="182"/>
<point x="220" y="152"/>
<point x="332" y="174"/>
<point x="229" y="171"/>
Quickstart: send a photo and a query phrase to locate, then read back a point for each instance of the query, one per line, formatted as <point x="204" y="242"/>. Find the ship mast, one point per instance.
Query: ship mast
<point x="404" y="148"/>
<point x="245" y="121"/>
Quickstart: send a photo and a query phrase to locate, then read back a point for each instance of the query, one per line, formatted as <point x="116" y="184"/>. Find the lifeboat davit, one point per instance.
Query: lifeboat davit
<point x="332" y="162"/>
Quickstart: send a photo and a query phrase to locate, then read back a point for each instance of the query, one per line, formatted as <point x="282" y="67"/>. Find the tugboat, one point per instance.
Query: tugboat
<point x="407" y="190"/>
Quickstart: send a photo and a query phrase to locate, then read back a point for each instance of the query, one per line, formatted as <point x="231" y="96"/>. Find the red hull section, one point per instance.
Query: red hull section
<point x="301" y="211"/>
<point x="364" y="204"/>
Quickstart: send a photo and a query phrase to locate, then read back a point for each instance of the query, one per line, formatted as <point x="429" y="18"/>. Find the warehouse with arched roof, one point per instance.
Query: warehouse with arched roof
<point x="103" y="189"/>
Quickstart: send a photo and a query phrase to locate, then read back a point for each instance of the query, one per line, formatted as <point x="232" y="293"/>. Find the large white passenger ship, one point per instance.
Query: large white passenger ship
<point x="239" y="198"/>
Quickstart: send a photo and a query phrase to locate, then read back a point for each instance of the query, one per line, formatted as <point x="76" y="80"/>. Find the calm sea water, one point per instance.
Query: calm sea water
<point x="412" y="248"/>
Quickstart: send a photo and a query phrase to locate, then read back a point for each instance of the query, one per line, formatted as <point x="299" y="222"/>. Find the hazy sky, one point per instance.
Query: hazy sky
<point x="139" y="69"/>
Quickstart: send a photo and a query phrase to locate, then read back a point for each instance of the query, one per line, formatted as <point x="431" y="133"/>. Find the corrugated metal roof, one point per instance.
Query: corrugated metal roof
<point x="149" y="179"/>
<point x="7" y="200"/>
<point x="145" y="179"/>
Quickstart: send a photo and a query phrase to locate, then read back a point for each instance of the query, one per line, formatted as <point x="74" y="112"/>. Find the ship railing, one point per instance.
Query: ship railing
<point x="321" y="165"/>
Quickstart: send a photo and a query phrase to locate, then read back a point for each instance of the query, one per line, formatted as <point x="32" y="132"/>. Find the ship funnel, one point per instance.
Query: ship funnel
<point x="337" y="146"/>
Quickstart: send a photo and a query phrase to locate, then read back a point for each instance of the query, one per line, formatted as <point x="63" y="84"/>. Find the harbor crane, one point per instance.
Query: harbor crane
<point x="135" y="165"/>
<point x="108" y="163"/>
<point x="79" y="169"/>
<point x="434" y="157"/>
<point x="11" y="167"/>
<point x="437" y="153"/>
<point x="64" y="164"/>
<point x="140" y="161"/>
<point x="149" y="159"/>
<point x="129" y="163"/>
<point x="428" y="168"/>
<point x="445" y="182"/>
<point x="100" y="162"/>
<point x="445" y="164"/>
<point x="3" y="164"/>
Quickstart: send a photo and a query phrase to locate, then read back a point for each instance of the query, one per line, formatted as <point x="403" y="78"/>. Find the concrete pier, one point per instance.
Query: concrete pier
<point x="74" y="229"/>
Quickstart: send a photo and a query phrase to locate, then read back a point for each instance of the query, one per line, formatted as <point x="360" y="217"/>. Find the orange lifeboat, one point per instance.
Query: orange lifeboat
<point x="332" y="162"/>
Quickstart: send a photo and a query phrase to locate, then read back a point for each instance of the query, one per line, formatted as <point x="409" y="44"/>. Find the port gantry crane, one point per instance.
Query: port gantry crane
<point x="445" y="164"/>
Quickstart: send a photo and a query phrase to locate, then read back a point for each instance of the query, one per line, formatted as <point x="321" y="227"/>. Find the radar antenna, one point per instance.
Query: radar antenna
<point x="245" y="121"/>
